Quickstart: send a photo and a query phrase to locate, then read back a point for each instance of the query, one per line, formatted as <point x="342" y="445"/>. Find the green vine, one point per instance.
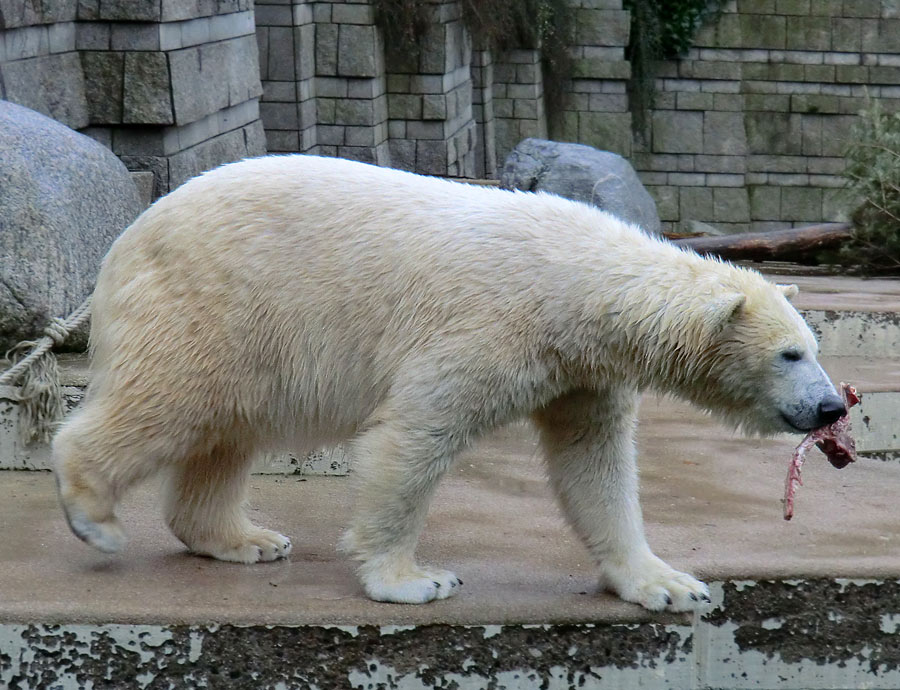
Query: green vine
<point x="660" y="29"/>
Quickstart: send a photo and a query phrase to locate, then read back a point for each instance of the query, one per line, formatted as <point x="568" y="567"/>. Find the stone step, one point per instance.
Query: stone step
<point x="876" y="420"/>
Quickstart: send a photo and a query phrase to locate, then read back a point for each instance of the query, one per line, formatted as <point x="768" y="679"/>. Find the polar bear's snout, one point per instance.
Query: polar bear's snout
<point x="812" y="400"/>
<point x="831" y="409"/>
<point x="803" y="419"/>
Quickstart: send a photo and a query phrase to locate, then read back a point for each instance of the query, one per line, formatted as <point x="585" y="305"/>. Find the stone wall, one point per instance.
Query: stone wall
<point x="170" y="86"/>
<point x="286" y="36"/>
<point x="483" y="113"/>
<point x="518" y="96"/>
<point x="748" y="130"/>
<point x="351" y="84"/>
<point x="39" y="67"/>
<point x="331" y="88"/>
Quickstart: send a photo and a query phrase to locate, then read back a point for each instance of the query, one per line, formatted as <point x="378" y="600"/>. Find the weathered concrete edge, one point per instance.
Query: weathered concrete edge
<point x="789" y="634"/>
<point x="854" y="333"/>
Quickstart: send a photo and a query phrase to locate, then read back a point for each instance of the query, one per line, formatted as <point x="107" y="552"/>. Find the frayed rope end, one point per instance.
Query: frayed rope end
<point x="40" y="398"/>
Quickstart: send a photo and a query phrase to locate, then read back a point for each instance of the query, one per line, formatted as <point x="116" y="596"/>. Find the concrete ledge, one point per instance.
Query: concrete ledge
<point x="804" y="634"/>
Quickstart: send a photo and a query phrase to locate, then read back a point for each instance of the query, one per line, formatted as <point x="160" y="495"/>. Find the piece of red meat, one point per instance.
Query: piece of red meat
<point x="834" y="440"/>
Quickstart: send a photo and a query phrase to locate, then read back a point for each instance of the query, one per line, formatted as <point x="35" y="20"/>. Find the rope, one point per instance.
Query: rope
<point x="56" y="333"/>
<point x="40" y="396"/>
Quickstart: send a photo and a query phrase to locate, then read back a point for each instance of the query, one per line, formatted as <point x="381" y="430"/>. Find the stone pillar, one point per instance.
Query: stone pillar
<point x="595" y="109"/>
<point x="518" y="100"/>
<point x="483" y="113"/>
<point x="171" y="87"/>
<point x="352" y="106"/>
<point x="431" y="128"/>
<point x="286" y="36"/>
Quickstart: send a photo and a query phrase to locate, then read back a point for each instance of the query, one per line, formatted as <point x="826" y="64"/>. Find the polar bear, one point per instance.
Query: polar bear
<point x="299" y="301"/>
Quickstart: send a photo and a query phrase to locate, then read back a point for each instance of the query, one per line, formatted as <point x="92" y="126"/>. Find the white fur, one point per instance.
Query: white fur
<point x="297" y="301"/>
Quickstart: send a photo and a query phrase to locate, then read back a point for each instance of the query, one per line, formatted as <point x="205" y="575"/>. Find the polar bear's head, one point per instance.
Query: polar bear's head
<point x="759" y="369"/>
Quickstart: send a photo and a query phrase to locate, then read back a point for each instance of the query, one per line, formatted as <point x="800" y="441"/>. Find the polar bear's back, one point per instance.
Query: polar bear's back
<point x="322" y="238"/>
<point x="339" y="205"/>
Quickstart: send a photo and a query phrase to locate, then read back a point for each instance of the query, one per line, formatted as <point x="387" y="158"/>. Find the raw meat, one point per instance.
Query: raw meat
<point x="834" y="440"/>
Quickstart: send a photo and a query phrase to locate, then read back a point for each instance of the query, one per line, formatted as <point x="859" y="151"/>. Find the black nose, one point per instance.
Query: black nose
<point x="831" y="409"/>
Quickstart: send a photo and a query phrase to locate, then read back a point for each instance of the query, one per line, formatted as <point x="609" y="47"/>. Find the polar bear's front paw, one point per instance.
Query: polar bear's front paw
<point x="655" y="585"/>
<point x="256" y="546"/>
<point x="410" y="585"/>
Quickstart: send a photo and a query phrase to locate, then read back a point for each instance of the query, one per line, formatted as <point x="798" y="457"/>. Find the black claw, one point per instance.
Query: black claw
<point x="459" y="582"/>
<point x="437" y="584"/>
<point x="693" y="596"/>
<point x="668" y="600"/>
<point x="707" y="599"/>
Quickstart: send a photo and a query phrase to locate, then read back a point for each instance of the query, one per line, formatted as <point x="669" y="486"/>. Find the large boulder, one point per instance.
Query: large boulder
<point x="64" y="198"/>
<point x="603" y="179"/>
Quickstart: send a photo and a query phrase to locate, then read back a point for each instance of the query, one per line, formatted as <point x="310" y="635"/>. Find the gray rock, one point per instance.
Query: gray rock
<point x="603" y="179"/>
<point x="64" y="198"/>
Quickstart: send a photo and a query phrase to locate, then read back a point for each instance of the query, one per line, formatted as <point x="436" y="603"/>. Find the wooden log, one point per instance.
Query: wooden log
<point x="794" y="244"/>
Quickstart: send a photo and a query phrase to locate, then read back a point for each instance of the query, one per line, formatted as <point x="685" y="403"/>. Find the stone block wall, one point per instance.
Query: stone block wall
<point x="595" y="109"/>
<point x="749" y="129"/>
<point x="328" y="88"/>
<point x="431" y="123"/>
<point x="170" y="86"/>
<point x="518" y="99"/>
<point x="286" y="38"/>
<point x="482" y="69"/>
<point x="351" y="84"/>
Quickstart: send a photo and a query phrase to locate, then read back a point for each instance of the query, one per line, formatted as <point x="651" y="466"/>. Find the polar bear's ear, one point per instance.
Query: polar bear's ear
<point x="723" y="309"/>
<point x="789" y="291"/>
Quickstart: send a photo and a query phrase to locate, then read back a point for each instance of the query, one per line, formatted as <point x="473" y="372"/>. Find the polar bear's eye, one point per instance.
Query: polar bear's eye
<point x="792" y="355"/>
